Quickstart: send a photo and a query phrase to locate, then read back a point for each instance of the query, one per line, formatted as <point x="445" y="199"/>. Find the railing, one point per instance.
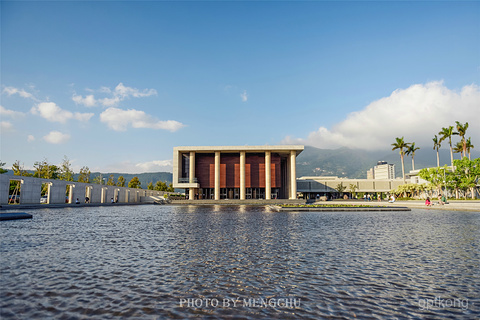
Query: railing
<point x="187" y="180"/>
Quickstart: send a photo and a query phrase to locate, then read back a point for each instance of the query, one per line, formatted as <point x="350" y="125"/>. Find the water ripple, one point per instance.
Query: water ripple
<point x="156" y="262"/>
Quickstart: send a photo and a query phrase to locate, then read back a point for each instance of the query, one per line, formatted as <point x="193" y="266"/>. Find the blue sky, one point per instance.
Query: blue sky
<point x="115" y="85"/>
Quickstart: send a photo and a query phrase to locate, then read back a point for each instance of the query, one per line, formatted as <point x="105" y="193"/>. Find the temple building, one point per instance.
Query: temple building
<point x="236" y="172"/>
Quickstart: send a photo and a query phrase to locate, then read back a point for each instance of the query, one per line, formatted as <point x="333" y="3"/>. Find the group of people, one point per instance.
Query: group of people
<point x="441" y="201"/>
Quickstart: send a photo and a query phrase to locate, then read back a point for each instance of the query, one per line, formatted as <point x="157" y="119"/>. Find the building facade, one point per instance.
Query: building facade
<point x="313" y="187"/>
<point x="236" y="172"/>
<point x="382" y="171"/>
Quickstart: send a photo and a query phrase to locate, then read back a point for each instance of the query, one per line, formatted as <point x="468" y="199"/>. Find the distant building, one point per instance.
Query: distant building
<point x="382" y="171"/>
<point x="370" y="174"/>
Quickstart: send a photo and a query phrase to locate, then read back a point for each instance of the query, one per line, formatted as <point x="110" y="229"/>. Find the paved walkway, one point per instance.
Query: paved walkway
<point x="455" y="205"/>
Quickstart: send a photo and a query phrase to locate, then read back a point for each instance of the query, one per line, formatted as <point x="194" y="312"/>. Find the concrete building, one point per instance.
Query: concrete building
<point x="382" y="171"/>
<point x="313" y="187"/>
<point x="236" y="172"/>
<point x="29" y="191"/>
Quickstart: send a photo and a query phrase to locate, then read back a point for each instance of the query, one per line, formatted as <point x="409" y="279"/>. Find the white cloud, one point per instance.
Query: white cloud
<point x="10" y="113"/>
<point x="53" y="113"/>
<point x="115" y="96"/>
<point x="88" y="101"/>
<point x="155" y="166"/>
<point x="6" y="126"/>
<point x="30" y="138"/>
<point x="244" y="96"/>
<point x="130" y="167"/>
<point x="21" y="92"/>
<point x="118" y="119"/>
<point x="417" y="113"/>
<point x="56" y="137"/>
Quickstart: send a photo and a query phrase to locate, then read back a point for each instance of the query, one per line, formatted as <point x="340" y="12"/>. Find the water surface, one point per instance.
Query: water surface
<point x="216" y="262"/>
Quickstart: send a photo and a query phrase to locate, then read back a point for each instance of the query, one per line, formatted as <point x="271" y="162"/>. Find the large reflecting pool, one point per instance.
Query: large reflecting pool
<point x="216" y="262"/>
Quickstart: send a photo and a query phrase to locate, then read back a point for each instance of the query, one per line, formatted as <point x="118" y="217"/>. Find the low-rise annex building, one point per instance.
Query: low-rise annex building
<point x="313" y="187"/>
<point x="236" y="172"/>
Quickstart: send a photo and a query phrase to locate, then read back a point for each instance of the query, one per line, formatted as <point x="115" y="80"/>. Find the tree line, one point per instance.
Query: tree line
<point x="44" y="169"/>
<point x="462" y="175"/>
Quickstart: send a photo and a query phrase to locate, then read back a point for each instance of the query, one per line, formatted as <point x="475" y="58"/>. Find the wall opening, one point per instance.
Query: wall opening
<point x="14" y="192"/>
<point x="44" y="196"/>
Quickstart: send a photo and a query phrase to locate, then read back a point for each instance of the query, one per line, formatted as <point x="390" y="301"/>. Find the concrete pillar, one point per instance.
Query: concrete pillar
<point x="191" y="175"/>
<point x="96" y="193"/>
<point x="56" y="192"/>
<point x="104" y="195"/>
<point x="293" y="174"/>
<point x="217" y="175"/>
<point x="4" y="188"/>
<point x="242" y="175"/>
<point x="268" y="175"/>
<point x="77" y="191"/>
<point x="30" y="191"/>
<point x="110" y="194"/>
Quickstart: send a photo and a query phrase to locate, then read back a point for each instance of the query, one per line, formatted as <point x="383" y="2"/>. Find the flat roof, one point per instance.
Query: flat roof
<point x="232" y="149"/>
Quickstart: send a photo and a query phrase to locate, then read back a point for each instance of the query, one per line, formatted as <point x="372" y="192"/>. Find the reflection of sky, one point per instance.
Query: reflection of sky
<point x="377" y="264"/>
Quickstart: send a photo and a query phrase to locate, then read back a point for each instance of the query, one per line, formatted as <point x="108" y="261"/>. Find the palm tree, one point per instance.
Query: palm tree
<point x="411" y="151"/>
<point x="436" y="146"/>
<point x="459" y="149"/>
<point x="469" y="146"/>
<point x="447" y="133"/>
<point x="401" y="145"/>
<point x="461" y="130"/>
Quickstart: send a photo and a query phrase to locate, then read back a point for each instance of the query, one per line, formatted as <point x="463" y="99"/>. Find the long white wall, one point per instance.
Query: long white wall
<point x="31" y="188"/>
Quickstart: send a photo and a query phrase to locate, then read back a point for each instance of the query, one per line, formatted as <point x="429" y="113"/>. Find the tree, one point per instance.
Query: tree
<point x="447" y="133"/>
<point x="436" y="146"/>
<point x="458" y="149"/>
<point x="352" y="188"/>
<point x="45" y="170"/>
<point x="84" y="175"/>
<point x="467" y="173"/>
<point x="18" y="169"/>
<point x="111" y="180"/>
<point x="98" y="179"/>
<point x="161" y="186"/>
<point x="170" y="188"/>
<point x="2" y="171"/>
<point x="436" y="176"/>
<point x="469" y="147"/>
<point x="340" y="188"/>
<point x="401" y="145"/>
<point x="461" y="131"/>
<point x="134" y="183"/>
<point x="66" y="172"/>
<point x="411" y="151"/>
<point x="150" y="186"/>
<point x="121" y="181"/>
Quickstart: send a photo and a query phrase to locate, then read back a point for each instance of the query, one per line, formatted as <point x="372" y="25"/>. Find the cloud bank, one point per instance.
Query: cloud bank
<point x="114" y="97"/>
<point x="53" y="113"/>
<point x="417" y="113"/>
<point x="56" y="137"/>
<point x="21" y="92"/>
<point x="10" y="113"/>
<point x="119" y="120"/>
